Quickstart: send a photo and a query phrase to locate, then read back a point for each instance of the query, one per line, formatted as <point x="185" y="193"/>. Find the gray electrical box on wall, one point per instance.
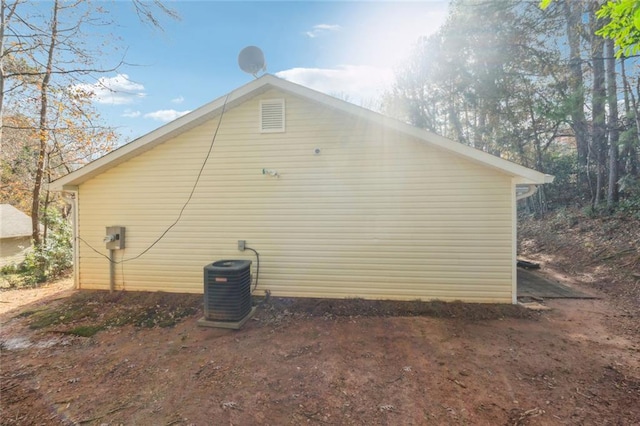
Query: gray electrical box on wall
<point x="115" y="237"/>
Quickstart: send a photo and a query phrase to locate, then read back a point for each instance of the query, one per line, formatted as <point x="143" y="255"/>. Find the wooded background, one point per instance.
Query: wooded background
<point x="539" y="85"/>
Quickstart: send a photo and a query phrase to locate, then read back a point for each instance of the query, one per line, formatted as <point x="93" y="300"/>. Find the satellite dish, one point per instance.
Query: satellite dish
<point x="251" y="60"/>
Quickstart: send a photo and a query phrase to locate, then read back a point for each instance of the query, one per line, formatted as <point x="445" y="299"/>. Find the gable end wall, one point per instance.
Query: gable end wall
<point x="372" y="215"/>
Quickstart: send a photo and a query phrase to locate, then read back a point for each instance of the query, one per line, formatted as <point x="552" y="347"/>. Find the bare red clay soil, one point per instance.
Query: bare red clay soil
<point x="326" y="362"/>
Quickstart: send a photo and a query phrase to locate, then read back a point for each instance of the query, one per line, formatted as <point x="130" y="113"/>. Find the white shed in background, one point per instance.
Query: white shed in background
<point x="15" y="235"/>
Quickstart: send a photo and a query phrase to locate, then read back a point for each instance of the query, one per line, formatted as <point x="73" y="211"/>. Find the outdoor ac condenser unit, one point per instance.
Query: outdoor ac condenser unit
<point x="227" y="290"/>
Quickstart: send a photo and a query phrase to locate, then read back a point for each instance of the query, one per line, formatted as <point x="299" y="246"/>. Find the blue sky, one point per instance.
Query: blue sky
<point x="349" y="49"/>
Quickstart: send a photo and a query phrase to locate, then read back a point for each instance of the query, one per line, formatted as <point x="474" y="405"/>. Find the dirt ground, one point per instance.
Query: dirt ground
<point x="321" y="362"/>
<point x="11" y="300"/>
<point x="310" y="363"/>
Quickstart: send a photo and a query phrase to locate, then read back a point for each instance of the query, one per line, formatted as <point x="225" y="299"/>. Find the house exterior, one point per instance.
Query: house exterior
<point x="339" y="202"/>
<point x="15" y="235"/>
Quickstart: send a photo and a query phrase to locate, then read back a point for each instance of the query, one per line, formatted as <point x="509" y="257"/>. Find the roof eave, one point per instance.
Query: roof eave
<point x="521" y="174"/>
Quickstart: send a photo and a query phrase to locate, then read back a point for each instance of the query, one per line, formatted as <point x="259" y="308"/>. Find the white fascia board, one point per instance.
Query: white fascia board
<point x="527" y="181"/>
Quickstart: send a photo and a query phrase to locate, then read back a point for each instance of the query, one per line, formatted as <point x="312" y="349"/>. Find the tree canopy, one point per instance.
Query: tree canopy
<point x="48" y="126"/>
<point x="535" y="86"/>
<point x="622" y="24"/>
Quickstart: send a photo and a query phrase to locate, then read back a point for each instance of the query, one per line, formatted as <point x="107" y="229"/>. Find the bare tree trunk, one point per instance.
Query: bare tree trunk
<point x="636" y="110"/>
<point x="45" y="206"/>
<point x="3" y="21"/>
<point x="6" y="13"/>
<point x="573" y="15"/>
<point x="598" y="100"/>
<point x="634" y="167"/>
<point x="628" y="153"/>
<point x="43" y="128"/>
<point x="457" y="126"/>
<point x="478" y="132"/>
<point x="612" y="128"/>
<point x="636" y="114"/>
<point x="625" y="85"/>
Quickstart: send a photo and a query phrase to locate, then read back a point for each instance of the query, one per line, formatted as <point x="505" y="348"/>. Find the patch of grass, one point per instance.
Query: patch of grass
<point x="62" y="314"/>
<point x="157" y="316"/>
<point x="150" y="316"/>
<point x="26" y="314"/>
<point x="85" y="330"/>
<point x="44" y="319"/>
<point x="88" y="312"/>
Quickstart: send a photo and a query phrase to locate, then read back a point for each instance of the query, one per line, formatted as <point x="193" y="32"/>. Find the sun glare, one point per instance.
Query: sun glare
<point x="385" y="36"/>
<point x="365" y="46"/>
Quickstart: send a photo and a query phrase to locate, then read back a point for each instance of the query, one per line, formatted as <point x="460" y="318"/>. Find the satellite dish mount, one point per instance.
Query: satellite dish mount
<point x="251" y="60"/>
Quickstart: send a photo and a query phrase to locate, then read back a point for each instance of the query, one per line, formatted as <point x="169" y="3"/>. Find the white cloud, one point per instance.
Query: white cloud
<point x="322" y="29"/>
<point x="118" y="90"/>
<point x="131" y="114"/>
<point x="178" y="100"/>
<point x="165" y="115"/>
<point x="359" y="84"/>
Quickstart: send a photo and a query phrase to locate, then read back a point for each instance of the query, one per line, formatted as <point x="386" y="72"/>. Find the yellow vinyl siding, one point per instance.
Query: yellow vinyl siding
<point x="374" y="214"/>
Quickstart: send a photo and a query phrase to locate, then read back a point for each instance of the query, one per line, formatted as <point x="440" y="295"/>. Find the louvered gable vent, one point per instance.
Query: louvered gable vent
<point x="272" y="115"/>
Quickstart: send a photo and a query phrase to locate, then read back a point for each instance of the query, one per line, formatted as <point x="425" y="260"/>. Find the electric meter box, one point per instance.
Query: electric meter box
<point x="115" y="237"/>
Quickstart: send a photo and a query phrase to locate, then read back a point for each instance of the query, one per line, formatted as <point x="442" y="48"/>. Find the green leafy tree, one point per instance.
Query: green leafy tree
<point x="623" y="25"/>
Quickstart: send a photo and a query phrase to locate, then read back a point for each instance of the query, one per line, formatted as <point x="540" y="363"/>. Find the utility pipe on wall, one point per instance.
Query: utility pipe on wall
<point x="112" y="270"/>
